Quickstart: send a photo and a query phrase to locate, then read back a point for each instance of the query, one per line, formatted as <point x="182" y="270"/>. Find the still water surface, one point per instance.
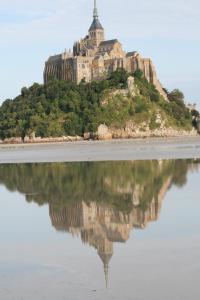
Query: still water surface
<point x="105" y="230"/>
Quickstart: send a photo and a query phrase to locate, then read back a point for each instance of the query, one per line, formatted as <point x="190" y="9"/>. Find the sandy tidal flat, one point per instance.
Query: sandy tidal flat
<point x="138" y="149"/>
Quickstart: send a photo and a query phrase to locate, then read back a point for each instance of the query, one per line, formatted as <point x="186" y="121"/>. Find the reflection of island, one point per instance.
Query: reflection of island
<point x="101" y="202"/>
<point x="100" y="225"/>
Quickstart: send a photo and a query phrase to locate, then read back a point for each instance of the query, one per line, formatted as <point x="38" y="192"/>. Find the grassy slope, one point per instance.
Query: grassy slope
<point x="143" y="108"/>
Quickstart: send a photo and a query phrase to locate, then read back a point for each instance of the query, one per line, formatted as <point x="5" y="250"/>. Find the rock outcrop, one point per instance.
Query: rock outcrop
<point x="132" y="130"/>
<point x="31" y="140"/>
<point x="103" y="133"/>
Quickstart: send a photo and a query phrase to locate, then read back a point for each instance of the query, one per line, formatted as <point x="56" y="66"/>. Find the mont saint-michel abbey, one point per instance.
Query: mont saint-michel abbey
<point x="93" y="58"/>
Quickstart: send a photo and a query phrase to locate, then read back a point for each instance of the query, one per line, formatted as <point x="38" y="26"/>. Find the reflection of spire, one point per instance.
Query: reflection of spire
<point x="105" y="252"/>
<point x="106" y="269"/>
<point x="106" y="259"/>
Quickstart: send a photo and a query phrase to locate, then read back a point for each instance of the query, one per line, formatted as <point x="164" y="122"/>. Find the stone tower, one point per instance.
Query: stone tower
<point x="93" y="59"/>
<point x="96" y="31"/>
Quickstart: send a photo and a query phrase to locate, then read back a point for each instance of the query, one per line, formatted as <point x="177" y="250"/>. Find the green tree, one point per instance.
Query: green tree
<point x="176" y="96"/>
<point x="138" y="74"/>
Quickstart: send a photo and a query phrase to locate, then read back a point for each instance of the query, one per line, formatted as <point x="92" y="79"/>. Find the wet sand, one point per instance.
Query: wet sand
<point x="138" y="149"/>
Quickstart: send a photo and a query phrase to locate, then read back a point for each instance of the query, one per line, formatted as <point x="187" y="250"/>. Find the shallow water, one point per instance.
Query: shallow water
<point x="103" y="230"/>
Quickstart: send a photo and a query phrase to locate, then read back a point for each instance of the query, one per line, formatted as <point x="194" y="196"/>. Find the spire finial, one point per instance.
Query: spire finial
<point x="95" y="13"/>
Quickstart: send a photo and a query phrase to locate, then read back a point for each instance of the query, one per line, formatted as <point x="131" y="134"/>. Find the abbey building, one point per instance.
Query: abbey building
<point x="93" y="58"/>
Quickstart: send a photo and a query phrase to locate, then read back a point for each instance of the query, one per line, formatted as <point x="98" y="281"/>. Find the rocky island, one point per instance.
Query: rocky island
<point x="98" y="91"/>
<point x="121" y="106"/>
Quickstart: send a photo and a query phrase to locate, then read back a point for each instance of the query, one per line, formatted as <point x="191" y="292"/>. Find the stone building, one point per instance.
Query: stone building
<point x="93" y="58"/>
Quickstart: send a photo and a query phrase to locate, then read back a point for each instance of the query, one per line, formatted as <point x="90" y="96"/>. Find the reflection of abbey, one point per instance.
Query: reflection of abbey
<point x="93" y="58"/>
<point x="101" y="225"/>
<point x="101" y="202"/>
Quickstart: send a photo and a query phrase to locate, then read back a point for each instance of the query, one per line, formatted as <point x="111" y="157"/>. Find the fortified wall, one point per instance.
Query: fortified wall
<point x="93" y="58"/>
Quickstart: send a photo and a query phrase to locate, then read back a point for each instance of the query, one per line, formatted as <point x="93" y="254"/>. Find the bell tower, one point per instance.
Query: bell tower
<point x="96" y="31"/>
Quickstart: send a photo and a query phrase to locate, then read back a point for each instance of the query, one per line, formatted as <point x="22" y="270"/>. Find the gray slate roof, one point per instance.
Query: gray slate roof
<point x="55" y="58"/>
<point x="109" y="42"/>
<point x="96" y="25"/>
<point x="131" y="53"/>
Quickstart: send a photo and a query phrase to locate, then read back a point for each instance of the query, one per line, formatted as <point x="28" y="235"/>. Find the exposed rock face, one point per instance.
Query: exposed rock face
<point x="87" y="136"/>
<point x="31" y="140"/>
<point x="103" y="133"/>
<point x="15" y="140"/>
<point x="131" y="86"/>
<point x="143" y="131"/>
<point x="132" y="130"/>
<point x="136" y="62"/>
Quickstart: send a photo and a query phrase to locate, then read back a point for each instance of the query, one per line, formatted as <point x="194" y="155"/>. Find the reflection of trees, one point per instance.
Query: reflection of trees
<point x="119" y="184"/>
<point x="101" y="202"/>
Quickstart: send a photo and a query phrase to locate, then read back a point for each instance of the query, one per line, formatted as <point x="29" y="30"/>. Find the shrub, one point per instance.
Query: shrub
<point x="72" y="124"/>
<point x="138" y="74"/>
<point x="154" y="96"/>
<point x="140" y="104"/>
<point x="119" y="78"/>
<point x="176" y="96"/>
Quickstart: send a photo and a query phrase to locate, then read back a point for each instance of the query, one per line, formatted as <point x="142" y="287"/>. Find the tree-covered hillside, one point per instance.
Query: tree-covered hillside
<point x="64" y="108"/>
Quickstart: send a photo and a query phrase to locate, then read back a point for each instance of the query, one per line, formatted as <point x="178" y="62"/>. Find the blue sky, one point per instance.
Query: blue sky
<point x="166" y="31"/>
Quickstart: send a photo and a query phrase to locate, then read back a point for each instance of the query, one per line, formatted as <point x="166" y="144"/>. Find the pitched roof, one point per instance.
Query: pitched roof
<point x="131" y="53"/>
<point x="55" y="58"/>
<point x="96" y="25"/>
<point x="109" y="42"/>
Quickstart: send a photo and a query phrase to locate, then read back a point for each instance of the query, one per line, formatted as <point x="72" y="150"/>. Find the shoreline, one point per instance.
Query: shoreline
<point x="186" y="147"/>
<point x="105" y="137"/>
<point x="104" y="134"/>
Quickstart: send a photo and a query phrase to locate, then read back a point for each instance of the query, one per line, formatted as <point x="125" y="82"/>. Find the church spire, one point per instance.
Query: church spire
<point x="96" y="31"/>
<point x="95" y="12"/>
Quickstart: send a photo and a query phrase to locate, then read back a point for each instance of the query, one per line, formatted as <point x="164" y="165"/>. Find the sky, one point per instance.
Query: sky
<point x="166" y="31"/>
